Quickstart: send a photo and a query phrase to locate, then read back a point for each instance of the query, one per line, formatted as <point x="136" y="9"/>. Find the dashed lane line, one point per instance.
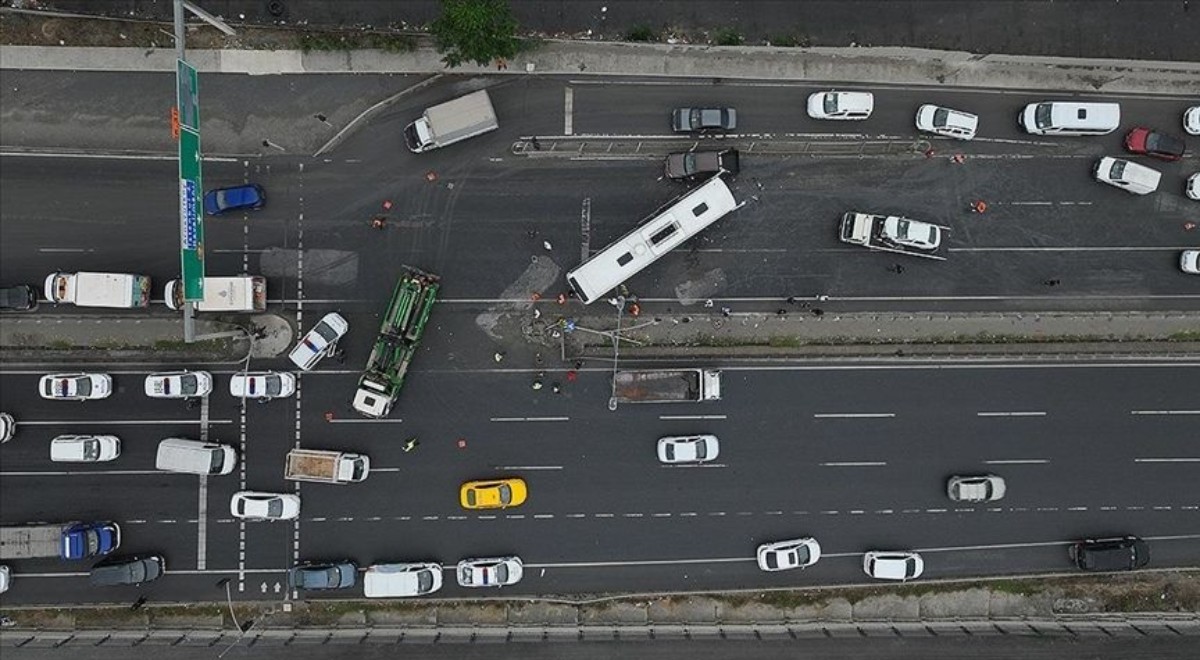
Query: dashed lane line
<point x="123" y="422"/>
<point x="530" y="419"/>
<point x="1018" y="461"/>
<point x="854" y="464"/>
<point x="1164" y="412"/>
<point x="529" y="467"/>
<point x="852" y="415"/>
<point x="692" y="417"/>
<point x="1029" y="413"/>
<point x="1166" y="460"/>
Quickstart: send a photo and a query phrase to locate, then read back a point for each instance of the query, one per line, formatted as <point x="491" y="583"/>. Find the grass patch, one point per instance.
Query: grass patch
<point x="334" y="41"/>
<point x="1184" y="335"/>
<point x="60" y="344"/>
<point x="728" y="37"/>
<point x="641" y="33"/>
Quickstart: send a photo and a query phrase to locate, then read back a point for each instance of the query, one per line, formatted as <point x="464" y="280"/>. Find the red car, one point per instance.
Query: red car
<point x="1154" y="144"/>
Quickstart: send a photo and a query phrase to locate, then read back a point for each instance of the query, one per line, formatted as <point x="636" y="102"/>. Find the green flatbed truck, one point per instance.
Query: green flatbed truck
<point x="399" y="336"/>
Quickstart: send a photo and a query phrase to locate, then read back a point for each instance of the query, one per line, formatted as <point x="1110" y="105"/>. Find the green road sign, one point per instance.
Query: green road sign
<point x="191" y="192"/>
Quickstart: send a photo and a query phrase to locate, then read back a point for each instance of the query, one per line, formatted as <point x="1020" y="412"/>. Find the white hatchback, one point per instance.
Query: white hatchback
<point x="981" y="488"/>
<point x="253" y="505"/>
<point x="1191" y="120"/>
<point x="688" y="449"/>
<point x="841" y="105"/>
<point x="263" y="386"/>
<point x="319" y="341"/>
<point x="402" y="580"/>
<point x="490" y="572"/>
<point x="84" y="448"/>
<point x="179" y="385"/>
<point x="785" y="555"/>
<point x="75" y="387"/>
<point x="893" y="565"/>
<point x="946" y="121"/>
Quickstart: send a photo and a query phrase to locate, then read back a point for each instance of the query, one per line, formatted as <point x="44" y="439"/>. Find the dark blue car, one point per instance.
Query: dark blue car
<point x="84" y="540"/>
<point x="250" y="196"/>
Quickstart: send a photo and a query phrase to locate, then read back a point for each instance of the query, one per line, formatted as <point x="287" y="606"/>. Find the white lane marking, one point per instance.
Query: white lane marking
<point x="1012" y="414"/>
<point x="202" y="526"/>
<point x="68" y="473"/>
<point x="1017" y="461"/>
<point x="1164" y="412"/>
<point x="21" y="154"/>
<point x="529" y="467"/>
<point x="530" y="419"/>
<point x="1166" y="460"/>
<point x="585" y="229"/>
<point x="384" y="469"/>
<point x="692" y="465"/>
<point x="685" y="417"/>
<point x="642" y="562"/>
<point x="855" y="464"/>
<point x="852" y="415"/>
<point x="1031" y="203"/>
<point x="1005" y="248"/>
<point x="568" y="110"/>
<point x="129" y="422"/>
<point x="335" y="420"/>
<point x="65" y="250"/>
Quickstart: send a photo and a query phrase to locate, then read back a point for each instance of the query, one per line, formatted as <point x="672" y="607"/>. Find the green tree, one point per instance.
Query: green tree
<point x="479" y="31"/>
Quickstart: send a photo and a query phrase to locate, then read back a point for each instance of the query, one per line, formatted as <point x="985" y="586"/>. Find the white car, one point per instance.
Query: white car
<point x="253" y="505"/>
<point x="5" y="578"/>
<point x="982" y="488"/>
<point x="1191" y="120"/>
<point x="8" y="426"/>
<point x="490" y="572"/>
<point x="913" y="233"/>
<point x="841" y="105"/>
<point x="179" y="385"/>
<point x="785" y="555"/>
<point x="319" y="341"/>
<point x="893" y="565"/>
<point x="402" y="580"/>
<point x="688" y="449"/>
<point x="1192" y="189"/>
<point x="263" y="386"/>
<point x="1189" y="261"/>
<point x="84" y="448"/>
<point x="946" y="121"/>
<point x="75" y="387"/>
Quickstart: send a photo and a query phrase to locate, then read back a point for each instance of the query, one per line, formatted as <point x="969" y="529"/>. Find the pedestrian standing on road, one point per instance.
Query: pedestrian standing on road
<point x="555" y="387"/>
<point x="379" y="222"/>
<point x="137" y="604"/>
<point x="410" y="444"/>
<point x="726" y="312"/>
<point x="1051" y="282"/>
<point x="547" y="245"/>
<point x="537" y="384"/>
<point x="498" y="356"/>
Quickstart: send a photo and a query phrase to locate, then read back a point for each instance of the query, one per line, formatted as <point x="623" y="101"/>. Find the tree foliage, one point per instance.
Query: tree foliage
<point x="479" y="31"/>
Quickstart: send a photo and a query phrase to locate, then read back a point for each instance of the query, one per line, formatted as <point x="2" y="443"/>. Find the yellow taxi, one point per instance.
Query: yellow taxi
<point x="493" y="494"/>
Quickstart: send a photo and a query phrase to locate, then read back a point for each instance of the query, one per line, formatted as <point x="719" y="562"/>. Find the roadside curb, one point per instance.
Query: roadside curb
<point x="1047" y="350"/>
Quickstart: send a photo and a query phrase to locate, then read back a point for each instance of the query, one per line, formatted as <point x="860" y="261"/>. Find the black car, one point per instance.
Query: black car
<point x="1121" y="553"/>
<point x="118" y="571"/>
<point x="21" y="297"/>
<point x="690" y="165"/>
<point x="693" y="120"/>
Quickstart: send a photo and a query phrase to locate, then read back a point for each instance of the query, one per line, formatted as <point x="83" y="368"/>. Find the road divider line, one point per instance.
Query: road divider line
<point x="681" y="466"/>
<point x="125" y="422"/>
<point x="69" y="473"/>
<point x="1164" y="412"/>
<point x="530" y="419"/>
<point x="1166" y="460"/>
<point x="852" y="415"/>
<point x="1018" y="461"/>
<point x="1011" y="414"/>
<point x="529" y="467"/>
<point x="364" y="421"/>
<point x="568" y="110"/>
<point x="691" y="417"/>
<point x="854" y="464"/>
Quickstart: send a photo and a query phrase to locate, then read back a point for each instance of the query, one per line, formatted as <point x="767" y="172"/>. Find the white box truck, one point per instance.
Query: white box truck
<point x="119" y="290"/>
<point x="667" y="385"/>
<point x="244" y="293"/>
<point x="452" y="121"/>
<point x="327" y="467"/>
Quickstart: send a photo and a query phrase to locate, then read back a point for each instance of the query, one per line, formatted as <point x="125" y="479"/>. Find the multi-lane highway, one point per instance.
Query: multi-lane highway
<point x="854" y="454"/>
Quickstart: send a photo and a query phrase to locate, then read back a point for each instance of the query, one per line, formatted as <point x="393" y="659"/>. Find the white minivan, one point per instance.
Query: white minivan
<point x="1126" y="175"/>
<point x="402" y="580"/>
<point x="1070" y="118"/>
<point x="195" y="457"/>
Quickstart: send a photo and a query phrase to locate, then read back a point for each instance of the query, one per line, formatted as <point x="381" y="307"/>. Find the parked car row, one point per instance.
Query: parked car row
<point x="263" y="385"/>
<point x="408" y="579"/>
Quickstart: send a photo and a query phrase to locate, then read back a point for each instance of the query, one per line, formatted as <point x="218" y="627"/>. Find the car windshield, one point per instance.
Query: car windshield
<point x="802" y="554"/>
<point x="241" y="507"/>
<point x="223" y="200"/>
<point x="831" y="104"/>
<point x="670" y="451"/>
<point x="326" y="331"/>
<point x="689" y="163"/>
<point x="332" y="576"/>
<point x="217" y="462"/>
<point x="1118" y="169"/>
<point x="501" y="572"/>
<point x="505" y="494"/>
<point x="773" y="560"/>
<point x="274" y="508"/>
<point x="1162" y="143"/>
<point x="695" y="118"/>
<point x="272" y="385"/>
<point x="424" y="581"/>
<point x="83" y="386"/>
<point x="910" y="566"/>
<point x="1041" y="115"/>
<point x="91" y="449"/>
<point x="188" y="384"/>
<point x="941" y="117"/>
<point x="471" y="500"/>
<point x="701" y="449"/>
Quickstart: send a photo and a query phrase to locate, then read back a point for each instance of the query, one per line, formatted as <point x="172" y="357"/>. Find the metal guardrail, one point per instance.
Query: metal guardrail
<point x="600" y="147"/>
<point x="1104" y="627"/>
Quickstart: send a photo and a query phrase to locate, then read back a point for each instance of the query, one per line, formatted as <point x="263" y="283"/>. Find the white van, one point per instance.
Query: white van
<point x="1070" y="118"/>
<point x="402" y="580"/>
<point x="244" y="293"/>
<point x="1126" y="175"/>
<point x="195" y="457"/>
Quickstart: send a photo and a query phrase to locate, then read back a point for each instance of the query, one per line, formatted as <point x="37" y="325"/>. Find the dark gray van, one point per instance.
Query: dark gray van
<point x="119" y="571"/>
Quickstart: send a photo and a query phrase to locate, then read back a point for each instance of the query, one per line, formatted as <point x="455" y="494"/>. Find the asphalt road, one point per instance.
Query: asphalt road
<point x="489" y="211"/>
<point x="856" y="457"/>
<point x="1159" y="29"/>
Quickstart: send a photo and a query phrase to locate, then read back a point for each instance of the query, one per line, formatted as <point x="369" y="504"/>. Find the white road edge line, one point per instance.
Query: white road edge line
<point x="1018" y="461"/>
<point x="1164" y="412"/>
<point x="529" y="467"/>
<point x="855" y="464"/>
<point x="1166" y="460"/>
<point x="1011" y="414"/>
<point x="529" y="419"/>
<point x="691" y="417"/>
<point x="852" y="415"/>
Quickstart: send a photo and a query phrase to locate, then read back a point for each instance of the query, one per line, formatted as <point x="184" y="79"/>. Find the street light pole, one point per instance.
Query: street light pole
<point x="612" y="400"/>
